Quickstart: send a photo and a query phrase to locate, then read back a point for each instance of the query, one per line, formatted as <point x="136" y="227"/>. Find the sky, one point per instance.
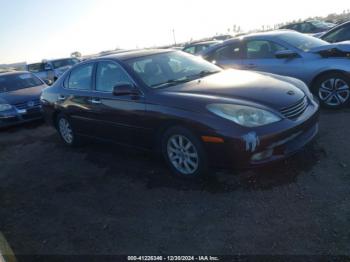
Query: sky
<point x="32" y="30"/>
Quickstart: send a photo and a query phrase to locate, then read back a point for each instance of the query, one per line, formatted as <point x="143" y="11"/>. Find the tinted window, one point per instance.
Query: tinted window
<point x="261" y="49"/>
<point x="18" y="81"/>
<point x="109" y="75"/>
<point x="230" y="51"/>
<point x="81" y="77"/>
<point x="170" y="68"/>
<point x="341" y="34"/>
<point x="35" y="68"/>
<point x="64" y="62"/>
<point x="190" y="49"/>
<point x="307" y="28"/>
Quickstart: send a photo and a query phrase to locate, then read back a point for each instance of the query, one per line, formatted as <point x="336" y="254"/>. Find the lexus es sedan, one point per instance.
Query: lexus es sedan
<point x="193" y="112"/>
<point x="324" y="67"/>
<point x="19" y="98"/>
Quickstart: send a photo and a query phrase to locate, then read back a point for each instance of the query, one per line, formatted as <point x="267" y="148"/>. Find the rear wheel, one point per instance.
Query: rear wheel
<point x="184" y="153"/>
<point x="333" y="90"/>
<point x="66" y="131"/>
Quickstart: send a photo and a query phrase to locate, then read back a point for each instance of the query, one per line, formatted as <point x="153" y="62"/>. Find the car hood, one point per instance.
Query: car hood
<point x="21" y="95"/>
<point x="335" y="49"/>
<point x="268" y="90"/>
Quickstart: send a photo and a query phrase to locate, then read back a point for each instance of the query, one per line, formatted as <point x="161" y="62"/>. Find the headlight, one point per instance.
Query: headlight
<point x="5" y="107"/>
<point x="244" y="115"/>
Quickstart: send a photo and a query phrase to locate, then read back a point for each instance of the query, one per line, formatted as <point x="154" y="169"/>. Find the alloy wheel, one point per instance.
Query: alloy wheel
<point x="334" y="92"/>
<point x="65" y="130"/>
<point x="183" y="154"/>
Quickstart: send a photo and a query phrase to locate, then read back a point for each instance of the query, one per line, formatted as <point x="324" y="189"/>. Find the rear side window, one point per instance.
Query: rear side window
<point x="230" y="51"/>
<point x="190" y="50"/>
<point x="35" y="68"/>
<point x="342" y="34"/>
<point x="109" y="75"/>
<point x="81" y="77"/>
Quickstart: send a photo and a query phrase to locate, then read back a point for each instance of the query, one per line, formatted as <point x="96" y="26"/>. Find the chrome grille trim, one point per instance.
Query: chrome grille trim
<point x="21" y="106"/>
<point x="295" y="110"/>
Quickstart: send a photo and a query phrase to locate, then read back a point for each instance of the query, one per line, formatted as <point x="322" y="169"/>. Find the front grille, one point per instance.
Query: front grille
<point x="295" y="110"/>
<point x="28" y="104"/>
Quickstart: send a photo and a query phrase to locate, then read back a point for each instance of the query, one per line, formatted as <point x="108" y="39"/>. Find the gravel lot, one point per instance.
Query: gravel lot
<point x="103" y="199"/>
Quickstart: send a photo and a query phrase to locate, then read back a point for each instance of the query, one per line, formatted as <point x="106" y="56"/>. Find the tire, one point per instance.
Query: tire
<point x="184" y="153"/>
<point x="66" y="131"/>
<point x="333" y="90"/>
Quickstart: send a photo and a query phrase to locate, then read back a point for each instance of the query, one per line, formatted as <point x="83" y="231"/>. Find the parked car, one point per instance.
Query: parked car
<point x="324" y="67"/>
<point x="339" y="33"/>
<point x="195" y="113"/>
<point x="198" y="47"/>
<point x="309" y="27"/>
<point x="51" y="70"/>
<point x="19" y="98"/>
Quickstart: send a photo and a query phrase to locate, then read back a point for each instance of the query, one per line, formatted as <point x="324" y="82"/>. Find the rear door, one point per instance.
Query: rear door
<point x="75" y="98"/>
<point x="260" y="55"/>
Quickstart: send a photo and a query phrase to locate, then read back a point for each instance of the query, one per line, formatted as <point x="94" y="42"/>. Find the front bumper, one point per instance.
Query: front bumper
<point x="259" y="146"/>
<point x="15" y="117"/>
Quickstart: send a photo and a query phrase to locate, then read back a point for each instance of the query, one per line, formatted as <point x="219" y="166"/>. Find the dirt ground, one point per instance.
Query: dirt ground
<point x="103" y="199"/>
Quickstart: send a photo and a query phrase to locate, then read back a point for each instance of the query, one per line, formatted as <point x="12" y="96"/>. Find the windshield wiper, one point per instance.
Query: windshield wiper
<point x="203" y="74"/>
<point x="171" y="82"/>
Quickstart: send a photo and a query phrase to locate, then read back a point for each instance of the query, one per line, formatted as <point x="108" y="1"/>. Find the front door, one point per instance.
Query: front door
<point x="260" y="55"/>
<point x="117" y="118"/>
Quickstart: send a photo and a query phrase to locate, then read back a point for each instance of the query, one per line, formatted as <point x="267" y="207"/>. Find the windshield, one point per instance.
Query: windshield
<point x="64" y="62"/>
<point x="171" y="68"/>
<point x="302" y="41"/>
<point x="14" y="82"/>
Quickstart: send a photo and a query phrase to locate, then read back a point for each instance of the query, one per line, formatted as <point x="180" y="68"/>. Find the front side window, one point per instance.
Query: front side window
<point x="81" y="77"/>
<point x="18" y="81"/>
<point x="262" y="49"/>
<point x="170" y="68"/>
<point x="109" y="75"/>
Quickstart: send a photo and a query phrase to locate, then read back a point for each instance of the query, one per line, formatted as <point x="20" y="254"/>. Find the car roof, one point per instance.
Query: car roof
<point x="203" y="43"/>
<point x="134" y="54"/>
<point x="263" y="35"/>
<point x="13" y="73"/>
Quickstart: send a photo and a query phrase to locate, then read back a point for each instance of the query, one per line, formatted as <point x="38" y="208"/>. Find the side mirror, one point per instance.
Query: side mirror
<point x="289" y="54"/>
<point x="124" y="89"/>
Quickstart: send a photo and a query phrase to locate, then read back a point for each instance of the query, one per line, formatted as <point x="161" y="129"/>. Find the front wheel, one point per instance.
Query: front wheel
<point x="333" y="90"/>
<point x="184" y="153"/>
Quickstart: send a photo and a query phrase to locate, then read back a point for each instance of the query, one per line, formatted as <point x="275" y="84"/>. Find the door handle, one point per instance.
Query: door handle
<point x="61" y="98"/>
<point x="95" y="101"/>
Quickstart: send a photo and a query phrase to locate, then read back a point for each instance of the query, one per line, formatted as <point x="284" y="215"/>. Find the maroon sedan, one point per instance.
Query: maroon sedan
<point x="195" y="113"/>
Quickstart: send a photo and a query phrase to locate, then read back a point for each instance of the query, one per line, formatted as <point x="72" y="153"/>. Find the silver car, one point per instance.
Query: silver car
<point x="51" y="70"/>
<point x="324" y="67"/>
